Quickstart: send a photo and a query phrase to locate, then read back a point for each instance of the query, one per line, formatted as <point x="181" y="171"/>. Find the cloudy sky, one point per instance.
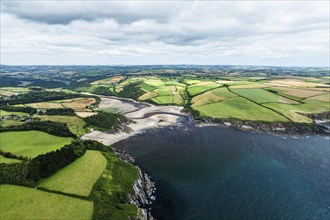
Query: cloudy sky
<point x="122" y="32"/>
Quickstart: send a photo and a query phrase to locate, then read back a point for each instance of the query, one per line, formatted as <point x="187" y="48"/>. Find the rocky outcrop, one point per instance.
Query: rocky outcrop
<point x="144" y="195"/>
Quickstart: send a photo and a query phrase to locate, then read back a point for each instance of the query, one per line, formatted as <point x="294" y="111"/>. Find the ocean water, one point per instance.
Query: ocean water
<point x="224" y="173"/>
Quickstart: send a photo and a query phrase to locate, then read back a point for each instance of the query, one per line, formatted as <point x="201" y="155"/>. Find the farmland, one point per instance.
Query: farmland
<point x="243" y="98"/>
<point x="96" y="174"/>
<point x="79" y="177"/>
<point x="18" y="202"/>
<point x="30" y="143"/>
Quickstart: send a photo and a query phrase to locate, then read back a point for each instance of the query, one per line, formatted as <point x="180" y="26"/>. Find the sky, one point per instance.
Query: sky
<point x="272" y="33"/>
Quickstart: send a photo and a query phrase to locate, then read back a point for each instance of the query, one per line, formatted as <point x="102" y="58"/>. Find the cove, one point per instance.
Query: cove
<point x="224" y="173"/>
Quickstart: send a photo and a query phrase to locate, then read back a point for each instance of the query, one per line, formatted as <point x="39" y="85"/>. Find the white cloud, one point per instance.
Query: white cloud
<point x="263" y="33"/>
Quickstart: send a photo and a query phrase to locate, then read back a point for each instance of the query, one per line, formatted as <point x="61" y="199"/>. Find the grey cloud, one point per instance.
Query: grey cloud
<point x="64" y="12"/>
<point x="169" y="31"/>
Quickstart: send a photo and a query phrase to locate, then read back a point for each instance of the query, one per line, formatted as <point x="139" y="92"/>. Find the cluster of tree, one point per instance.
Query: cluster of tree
<point x="13" y="156"/>
<point x="45" y="165"/>
<point x="11" y="108"/>
<point x="51" y="127"/>
<point x="102" y="90"/>
<point x="131" y="90"/>
<point x="59" y="111"/>
<point x="38" y="96"/>
<point x="106" y="121"/>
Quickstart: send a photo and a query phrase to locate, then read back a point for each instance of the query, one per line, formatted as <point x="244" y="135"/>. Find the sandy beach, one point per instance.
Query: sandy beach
<point x="143" y="116"/>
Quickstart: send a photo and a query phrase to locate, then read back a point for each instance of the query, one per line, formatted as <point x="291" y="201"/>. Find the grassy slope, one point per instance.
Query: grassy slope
<point x="19" y="202"/>
<point x="8" y="160"/>
<point x="258" y="95"/>
<point x="239" y="108"/>
<point x="31" y="143"/>
<point x="74" y="123"/>
<point x="110" y="191"/>
<point x="9" y="122"/>
<point x="5" y="113"/>
<point x="79" y="177"/>
<point x="197" y="89"/>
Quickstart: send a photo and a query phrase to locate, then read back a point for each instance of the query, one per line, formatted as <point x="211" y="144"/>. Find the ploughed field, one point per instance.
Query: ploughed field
<point x="276" y="99"/>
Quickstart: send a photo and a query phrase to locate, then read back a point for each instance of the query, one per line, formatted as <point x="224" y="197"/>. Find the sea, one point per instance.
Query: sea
<point x="214" y="172"/>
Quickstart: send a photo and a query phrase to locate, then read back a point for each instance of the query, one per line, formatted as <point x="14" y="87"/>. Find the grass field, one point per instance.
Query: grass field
<point x="10" y="122"/>
<point x="31" y="143"/>
<point x="18" y="202"/>
<point x="292" y="111"/>
<point x="261" y="96"/>
<point x="74" y="123"/>
<point x="201" y="87"/>
<point x="239" y="108"/>
<point x="44" y="105"/>
<point x="8" y="160"/>
<point x="78" y="104"/>
<point x="9" y="91"/>
<point x="5" y="113"/>
<point x="79" y="177"/>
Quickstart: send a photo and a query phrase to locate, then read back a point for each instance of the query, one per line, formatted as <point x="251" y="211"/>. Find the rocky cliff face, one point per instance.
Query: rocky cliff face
<point x="144" y="189"/>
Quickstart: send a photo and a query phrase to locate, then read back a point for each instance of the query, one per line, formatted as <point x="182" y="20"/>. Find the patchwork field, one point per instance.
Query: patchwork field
<point x="18" y="202"/>
<point x="258" y="98"/>
<point x="79" y="177"/>
<point x="31" y="143"/>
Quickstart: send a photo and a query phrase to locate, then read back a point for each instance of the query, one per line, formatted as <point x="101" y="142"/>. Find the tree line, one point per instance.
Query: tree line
<point x="38" y="96"/>
<point x="30" y="172"/>
<point x="50" y="127"/>
<point x="10" y="108"/>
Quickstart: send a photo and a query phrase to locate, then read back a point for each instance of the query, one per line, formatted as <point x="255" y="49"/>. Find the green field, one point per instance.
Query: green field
<point x="74" y="123"/>
<point x="18" y="202"/>
<point x="31" y="143"/>
<point x="10" y="122"/>
<point x="260" y="95"/>
<point x="198" y="89"/>
<point x="292" y="111"/>
<point x="8" y="160"/>
<point x="79" y="177"/>
<point x="239" y="108"/>
<point x="5" y="113"/>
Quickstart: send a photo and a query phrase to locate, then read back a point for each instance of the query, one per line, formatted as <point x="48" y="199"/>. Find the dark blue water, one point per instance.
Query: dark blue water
<point x="224" y="173"/>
